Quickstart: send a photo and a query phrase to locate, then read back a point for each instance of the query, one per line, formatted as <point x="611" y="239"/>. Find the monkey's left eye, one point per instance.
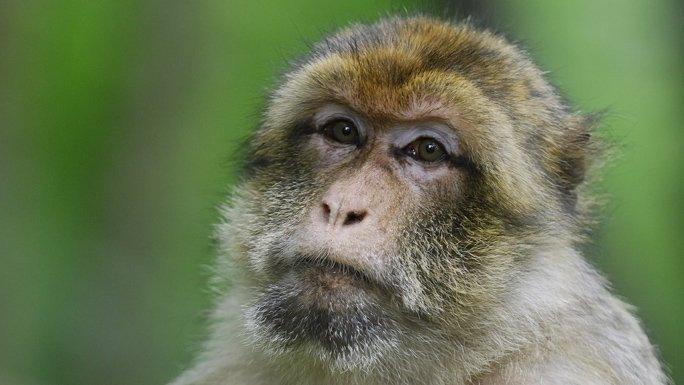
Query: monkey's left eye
<point x="426" y="150"/>
<point x="342" y="131"/>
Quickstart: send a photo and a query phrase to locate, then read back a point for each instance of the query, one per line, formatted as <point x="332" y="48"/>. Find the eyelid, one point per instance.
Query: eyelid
<point x="439" y="133"/>
<point x="332" y="118"/>
<point x="321" y="123"/>
<point x="436" y="139"/>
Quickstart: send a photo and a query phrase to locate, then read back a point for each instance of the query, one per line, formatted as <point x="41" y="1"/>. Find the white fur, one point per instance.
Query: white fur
<point x="558" y="325"/>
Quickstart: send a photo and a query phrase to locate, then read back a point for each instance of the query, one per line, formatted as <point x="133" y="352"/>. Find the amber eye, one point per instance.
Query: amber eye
<point x="426" y="150"/>
<point x="342" y="131"/>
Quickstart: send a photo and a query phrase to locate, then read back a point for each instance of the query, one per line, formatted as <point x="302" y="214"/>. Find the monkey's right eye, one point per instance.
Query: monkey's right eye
<point x="342" y="131"/>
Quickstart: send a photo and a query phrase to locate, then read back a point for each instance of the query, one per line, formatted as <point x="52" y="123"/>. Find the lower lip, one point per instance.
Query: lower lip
<point x="331" y="278"/>
<point x="331" y="288"/>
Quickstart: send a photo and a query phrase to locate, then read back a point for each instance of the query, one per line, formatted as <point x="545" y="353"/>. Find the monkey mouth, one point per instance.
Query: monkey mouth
<point x="328" y="284"/>
<point x="332" y="273"/>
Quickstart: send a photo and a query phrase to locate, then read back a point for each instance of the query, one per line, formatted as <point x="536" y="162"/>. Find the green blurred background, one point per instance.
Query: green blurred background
<point x="119" y="125"/>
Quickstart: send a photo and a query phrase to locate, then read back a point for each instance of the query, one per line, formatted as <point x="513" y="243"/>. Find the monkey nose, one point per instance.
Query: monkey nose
<point x="337" y="216"/>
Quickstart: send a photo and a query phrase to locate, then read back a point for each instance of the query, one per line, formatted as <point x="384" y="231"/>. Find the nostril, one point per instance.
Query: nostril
<point x="354" y="217"/>
<point x="326" y="212"/>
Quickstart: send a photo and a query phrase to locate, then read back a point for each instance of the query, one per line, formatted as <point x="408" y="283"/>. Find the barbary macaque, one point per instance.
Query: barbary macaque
<point x="411" y="212"/>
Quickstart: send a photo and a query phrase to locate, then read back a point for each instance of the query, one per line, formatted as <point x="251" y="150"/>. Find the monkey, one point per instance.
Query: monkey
<point x="412" y="211"/>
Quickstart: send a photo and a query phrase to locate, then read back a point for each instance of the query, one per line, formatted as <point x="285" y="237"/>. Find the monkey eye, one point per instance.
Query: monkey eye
<point x="342" y="131"/>
<point x="426" y="150"/>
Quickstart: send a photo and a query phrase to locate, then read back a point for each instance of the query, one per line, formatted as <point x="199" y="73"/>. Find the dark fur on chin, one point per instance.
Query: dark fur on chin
<point x="331" y="312"/>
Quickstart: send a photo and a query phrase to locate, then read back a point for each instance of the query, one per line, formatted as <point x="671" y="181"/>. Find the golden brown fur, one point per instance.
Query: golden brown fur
<point x="472" y="271"/>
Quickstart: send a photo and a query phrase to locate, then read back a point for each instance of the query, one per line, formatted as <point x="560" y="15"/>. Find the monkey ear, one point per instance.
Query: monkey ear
<point x="576" y="149"/>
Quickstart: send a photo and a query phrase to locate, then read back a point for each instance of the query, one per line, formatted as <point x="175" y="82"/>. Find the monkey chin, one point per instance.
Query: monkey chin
<point x="326" y="312"/>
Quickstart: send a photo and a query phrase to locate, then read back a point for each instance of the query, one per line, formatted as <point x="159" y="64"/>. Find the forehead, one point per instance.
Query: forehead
<point x="401" y="70"/>
<point x="386" y="85"/>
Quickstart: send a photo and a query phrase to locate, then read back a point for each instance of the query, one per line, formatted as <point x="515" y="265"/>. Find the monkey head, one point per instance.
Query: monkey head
<point x="404" y="175"/>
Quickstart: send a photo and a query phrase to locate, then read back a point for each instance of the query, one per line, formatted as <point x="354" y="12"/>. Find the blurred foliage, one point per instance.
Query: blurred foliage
<point x="119" y="121"/>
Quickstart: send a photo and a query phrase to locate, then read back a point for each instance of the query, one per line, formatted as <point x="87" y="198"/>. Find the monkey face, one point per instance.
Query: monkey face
<point x="338" y="277"/>
<point x="395" y="189"/>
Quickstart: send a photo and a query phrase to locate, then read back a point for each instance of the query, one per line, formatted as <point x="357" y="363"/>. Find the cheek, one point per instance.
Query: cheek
<point x="433" y="249"/>
<point x="431" y="183"/>
<point x="274" y="206"/>
<point x="325" y="155"/>
<point x="425" y="175"/>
